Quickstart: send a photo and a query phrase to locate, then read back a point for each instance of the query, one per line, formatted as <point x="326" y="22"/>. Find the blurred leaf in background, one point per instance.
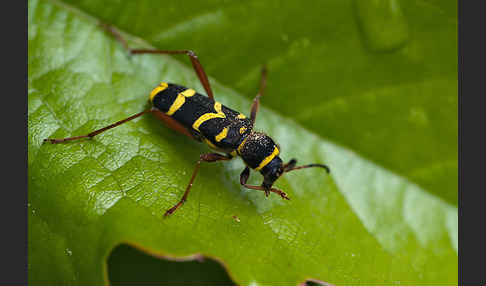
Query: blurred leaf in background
<point x="367" y="87"/>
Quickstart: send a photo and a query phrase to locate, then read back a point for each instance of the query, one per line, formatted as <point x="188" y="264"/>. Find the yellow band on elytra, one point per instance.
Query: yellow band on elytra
<point x="241" y="145"/>
<point x="210" y="144"/>
<point x="188" y="92"/>
<point x="207" y="116"/>
<point x="217" y="107"/>
<point x="158" y="89"/>
<point x="180" y="100"/>
<point x="221" y="134"/>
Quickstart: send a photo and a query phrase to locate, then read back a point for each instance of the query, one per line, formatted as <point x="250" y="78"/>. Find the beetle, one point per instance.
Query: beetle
<point x="203" y="119"/>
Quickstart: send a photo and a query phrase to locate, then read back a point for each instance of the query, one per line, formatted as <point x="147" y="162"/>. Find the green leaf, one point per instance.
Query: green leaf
<point x="381" y="112"/>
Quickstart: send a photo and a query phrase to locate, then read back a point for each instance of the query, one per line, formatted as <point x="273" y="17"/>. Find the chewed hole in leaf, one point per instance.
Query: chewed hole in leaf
<point x="314" y="282"/>
<point x="130" y="266"/>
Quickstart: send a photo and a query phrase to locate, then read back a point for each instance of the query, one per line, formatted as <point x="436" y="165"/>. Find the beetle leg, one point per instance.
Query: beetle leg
<point x="96" y="132"/>
<point x="244" y="178"/>
<point x="209" y="157"/>
<point x="198" y="68"/>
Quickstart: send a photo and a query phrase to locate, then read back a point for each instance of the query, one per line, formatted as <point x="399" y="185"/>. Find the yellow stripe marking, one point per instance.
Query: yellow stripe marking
<point x="241" y="145"/>
<point x="188" y="92"/>
<point x="207" y="116"/>
<point x="268" y="159"/>
<point x="210" y="144"/>
<point x="180" y="100"/>
<point x="221" y="134"/>
<point x="234" y="153"/>
<point x="158" y="89"/>
<point x="242" y="130"/>
<point x="241" y="116"/>
<point x="217" y="107"/>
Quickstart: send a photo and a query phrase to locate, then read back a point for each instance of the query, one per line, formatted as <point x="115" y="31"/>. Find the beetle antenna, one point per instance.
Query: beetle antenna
<point x="290" y="166"/>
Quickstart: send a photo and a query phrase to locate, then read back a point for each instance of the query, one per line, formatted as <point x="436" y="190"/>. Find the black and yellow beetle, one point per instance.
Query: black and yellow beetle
<point x="202" y="118"/>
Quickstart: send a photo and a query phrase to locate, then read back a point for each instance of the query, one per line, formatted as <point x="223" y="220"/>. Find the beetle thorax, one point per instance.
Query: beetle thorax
<point x="257" y="150"/>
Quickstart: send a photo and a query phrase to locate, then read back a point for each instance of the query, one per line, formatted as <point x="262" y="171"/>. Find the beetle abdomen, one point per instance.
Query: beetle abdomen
<point x="223" y="127"/>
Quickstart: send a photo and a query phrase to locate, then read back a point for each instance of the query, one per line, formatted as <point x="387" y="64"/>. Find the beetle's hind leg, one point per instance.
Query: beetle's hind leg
<point x="98" y="131"/>
<point x="198" y="68"/>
